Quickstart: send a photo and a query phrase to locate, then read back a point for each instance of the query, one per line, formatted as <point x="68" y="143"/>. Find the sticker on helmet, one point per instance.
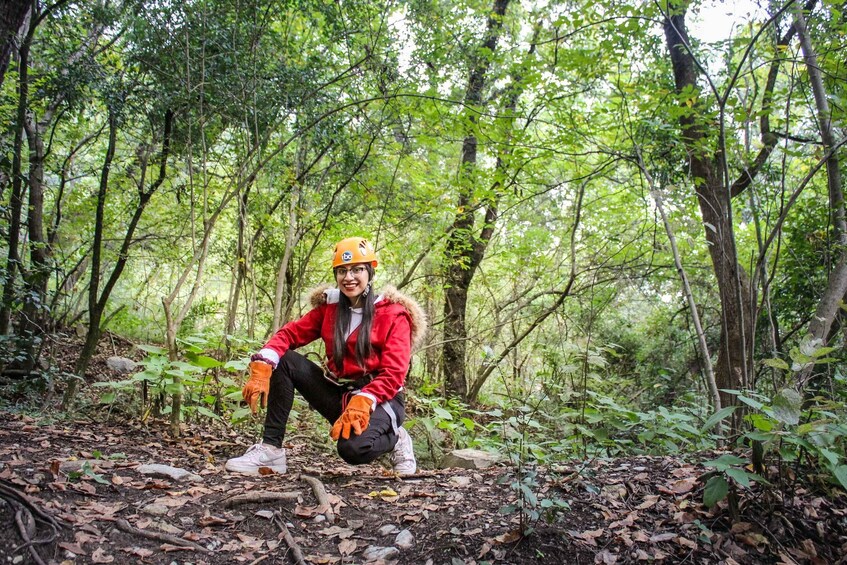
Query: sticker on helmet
<point x="346" y="256"/>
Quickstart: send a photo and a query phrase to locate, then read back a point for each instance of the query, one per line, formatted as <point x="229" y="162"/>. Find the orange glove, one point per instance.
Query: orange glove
<point x="355" y="417"/>
<point x="258" y="384"/>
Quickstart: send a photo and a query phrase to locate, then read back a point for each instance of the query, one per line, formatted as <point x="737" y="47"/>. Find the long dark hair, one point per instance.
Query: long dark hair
<point x="342" y="322"/>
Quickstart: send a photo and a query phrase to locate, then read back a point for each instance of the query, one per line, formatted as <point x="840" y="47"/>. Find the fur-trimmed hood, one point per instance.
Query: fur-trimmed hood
<point x="327" y="294"/>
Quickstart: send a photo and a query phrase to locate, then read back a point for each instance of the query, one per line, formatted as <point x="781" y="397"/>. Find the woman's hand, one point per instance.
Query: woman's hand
<point x="355" y="417"/>
<point x="258" y="385"/>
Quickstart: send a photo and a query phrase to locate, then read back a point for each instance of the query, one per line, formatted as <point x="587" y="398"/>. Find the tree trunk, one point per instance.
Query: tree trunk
<point x="733" y="367"/>
<point x="465" y="250"/>
<point x="35" y="280"/>
<point x="832" y="298"/>
<point x="97" y="302"/>
<point x="12" y="16"/>
<point x="16" y="200"/>
<point x="94" y="309"/>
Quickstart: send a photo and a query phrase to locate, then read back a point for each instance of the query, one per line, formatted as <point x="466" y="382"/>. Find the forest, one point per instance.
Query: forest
<point x="624" y="221"/>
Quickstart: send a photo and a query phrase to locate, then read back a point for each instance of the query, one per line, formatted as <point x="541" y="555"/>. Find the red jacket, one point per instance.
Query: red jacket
<point x="398" y="326"/>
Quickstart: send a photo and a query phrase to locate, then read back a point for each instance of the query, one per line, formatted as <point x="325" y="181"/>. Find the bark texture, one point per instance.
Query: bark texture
<point x="733" y="366"/>
<point x="465" y="249"/>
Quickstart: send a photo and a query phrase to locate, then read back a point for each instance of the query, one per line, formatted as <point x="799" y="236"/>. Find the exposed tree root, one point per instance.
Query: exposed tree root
<point x="322" y="496"/>
<point x="27" y="516"/>
<point x="124" y="526"/>
<point x="296" y="552"/>
<point x="259" y="496"/>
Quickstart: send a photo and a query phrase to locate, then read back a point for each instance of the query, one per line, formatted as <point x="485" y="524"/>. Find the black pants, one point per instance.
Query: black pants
<point x="295" y="372"/>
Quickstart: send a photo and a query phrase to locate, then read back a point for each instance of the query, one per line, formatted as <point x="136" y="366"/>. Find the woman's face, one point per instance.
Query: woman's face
<point x="352" y="280"/>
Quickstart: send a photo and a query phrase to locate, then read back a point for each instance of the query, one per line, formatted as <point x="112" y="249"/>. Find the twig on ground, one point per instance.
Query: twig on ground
<point x="27" y="531"/>
<point x="323" y="498"/>
<point x="259" y="496"/>
<point x="27" y="514"/>
<point x="124" y="526"/>
<point x="289" y="539"/>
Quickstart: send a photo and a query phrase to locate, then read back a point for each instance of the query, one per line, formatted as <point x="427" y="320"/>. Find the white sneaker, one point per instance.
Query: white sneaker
<point x="258" y="456"/>
<point x="403" y="456"/>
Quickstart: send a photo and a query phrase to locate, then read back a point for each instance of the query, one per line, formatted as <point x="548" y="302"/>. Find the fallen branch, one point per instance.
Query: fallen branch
<point x="259" y="496"/>
<point x="289" y="539"/>
<point x="322" y="496"/>
<point x="124" y="526"/>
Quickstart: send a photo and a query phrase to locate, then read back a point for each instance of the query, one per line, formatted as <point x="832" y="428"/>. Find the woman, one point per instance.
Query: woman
<point x="369" y="340"/>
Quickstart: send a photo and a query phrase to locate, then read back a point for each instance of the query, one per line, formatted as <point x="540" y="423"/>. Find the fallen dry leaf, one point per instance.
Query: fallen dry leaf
<point x="589" y="536"/>
<point x="322" y="559"/>
<point x="138" y="551"/>
<point x="209" y="520"/>
<point x="72" y="547"/>
<point x="100" y="556"/>
<point x="685" y="542"/>
<point x="606" y="557"/>
<point x="347" y="547"/>
<point x="753" y="539"/>
<point x="509" y="537"/>
<point x="649" y="501"/>
<point x="167" y="548"/>
<point x="342" y="533"/>
<point x="683" y="486"/>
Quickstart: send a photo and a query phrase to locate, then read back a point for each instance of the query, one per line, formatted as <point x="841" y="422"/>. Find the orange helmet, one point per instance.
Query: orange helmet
<point x="353" y="250"/>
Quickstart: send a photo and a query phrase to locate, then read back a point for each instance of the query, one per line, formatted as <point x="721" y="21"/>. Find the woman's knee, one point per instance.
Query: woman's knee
<point x="356" y="452"/>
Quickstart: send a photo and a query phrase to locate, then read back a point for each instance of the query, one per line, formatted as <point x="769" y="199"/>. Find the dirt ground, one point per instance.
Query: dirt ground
<point x="84" y="476"/>
<point x="72" y="492"/>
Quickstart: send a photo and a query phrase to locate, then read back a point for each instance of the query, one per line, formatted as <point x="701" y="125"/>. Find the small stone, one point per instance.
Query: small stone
<point x="460" y="481"/>
<point x="469" y="459"/>
<point x="319" y="518"/>
<point x="155" y="509"/>
<point x="388" y="529"/>
<point x="374" y="553"/>
<point x="121" y="365"/>
<point x="404" y="540"/>
<point x="174" y="473"/>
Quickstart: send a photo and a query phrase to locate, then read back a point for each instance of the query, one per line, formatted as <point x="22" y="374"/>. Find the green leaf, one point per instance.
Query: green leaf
<point x="741" y="476"/>
<point x="724" y="462"/>
<point x="529" y="496"/>
<point x="716" y="490"/>
<point x="721" y="414"/>
<point x="761" y="422"/>
<point x="154" y="349"/>
<point x="236" y="365"/>
<point x="206" y="412"/>
<point x="830" y="456"/>
<point x="203" y="361"/>
<point x="787" y="405"/>
<point x="507" y="509"/>
<point x="107" y="398"/>
<point x="840" y="473"/>
<point x="760" y="436"/>
<point x="750" y="402"/>
<point x="777" y="364"/>
<point x="442" y="413"/>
